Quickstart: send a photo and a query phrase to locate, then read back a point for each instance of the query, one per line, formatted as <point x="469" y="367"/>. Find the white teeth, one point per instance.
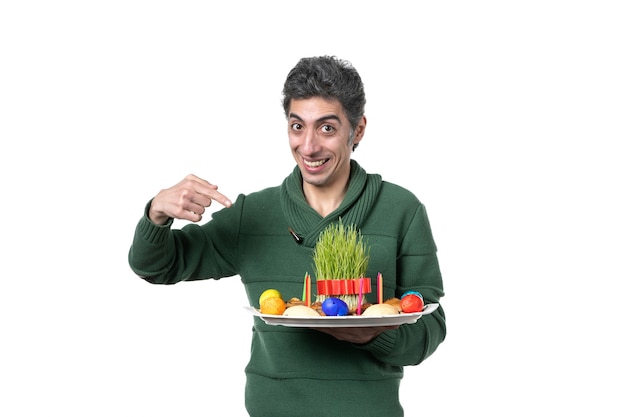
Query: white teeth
<point x="314" y="164"/>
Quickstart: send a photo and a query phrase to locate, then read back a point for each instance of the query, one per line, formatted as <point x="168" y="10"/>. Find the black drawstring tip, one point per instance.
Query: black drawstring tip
<point x="299" y="239"/>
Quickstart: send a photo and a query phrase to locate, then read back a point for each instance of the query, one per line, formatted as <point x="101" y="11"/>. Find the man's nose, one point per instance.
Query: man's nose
<point x="311" y="142"/>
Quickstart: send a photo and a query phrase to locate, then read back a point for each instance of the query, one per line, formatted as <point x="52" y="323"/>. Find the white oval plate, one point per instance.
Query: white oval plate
<point x="343" y="321"/>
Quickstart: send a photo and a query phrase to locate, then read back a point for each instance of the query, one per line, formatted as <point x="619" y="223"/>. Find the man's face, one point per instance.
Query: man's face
<point x="319" y="137"/>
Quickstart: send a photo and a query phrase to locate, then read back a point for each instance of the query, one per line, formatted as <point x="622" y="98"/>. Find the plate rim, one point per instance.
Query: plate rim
<point x="342" y="321"/>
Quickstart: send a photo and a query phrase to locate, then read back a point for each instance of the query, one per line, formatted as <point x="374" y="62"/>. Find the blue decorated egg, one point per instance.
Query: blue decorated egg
<point x="412" y="292"/>
<point x="335" y="307"/>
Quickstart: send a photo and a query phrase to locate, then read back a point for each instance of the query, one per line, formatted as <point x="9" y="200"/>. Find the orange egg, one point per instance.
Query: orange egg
<point x="273" y="305"/>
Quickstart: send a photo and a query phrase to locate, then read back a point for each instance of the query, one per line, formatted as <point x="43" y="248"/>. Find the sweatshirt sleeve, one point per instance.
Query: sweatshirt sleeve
<point x="418" y="270"/>
<point x="163" y="255"/>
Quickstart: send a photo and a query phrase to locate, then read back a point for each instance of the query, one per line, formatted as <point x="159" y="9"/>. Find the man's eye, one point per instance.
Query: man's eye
<point x="327" y="129"/>
<point x="296" y="126"/>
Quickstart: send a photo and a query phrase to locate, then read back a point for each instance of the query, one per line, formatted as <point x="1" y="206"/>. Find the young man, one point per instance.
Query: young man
<point x="296" y="371"/>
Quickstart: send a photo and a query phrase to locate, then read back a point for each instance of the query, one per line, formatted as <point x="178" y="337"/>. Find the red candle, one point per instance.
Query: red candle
<point x="307" y="288"/>
<point x="379" y="287"/>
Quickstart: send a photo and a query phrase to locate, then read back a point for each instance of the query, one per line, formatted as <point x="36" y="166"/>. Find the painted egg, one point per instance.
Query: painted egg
<point x="411" y="303"/>
<point x="412" y="292"/>
<point x="335" y="307"/>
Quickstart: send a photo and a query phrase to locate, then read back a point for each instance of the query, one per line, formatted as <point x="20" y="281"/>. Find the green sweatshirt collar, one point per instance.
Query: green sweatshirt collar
<point x="362" y="192"/>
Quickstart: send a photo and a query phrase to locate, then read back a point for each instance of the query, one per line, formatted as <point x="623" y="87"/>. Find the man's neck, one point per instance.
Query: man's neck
<point x="324" y="200"/>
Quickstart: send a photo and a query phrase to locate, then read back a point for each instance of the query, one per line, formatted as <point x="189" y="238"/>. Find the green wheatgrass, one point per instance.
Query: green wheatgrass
<point x="340" y="253"/>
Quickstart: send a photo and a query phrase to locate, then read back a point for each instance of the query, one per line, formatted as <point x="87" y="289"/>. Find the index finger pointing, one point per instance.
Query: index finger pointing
<point x="210" y="190"/>
<point x="220" y="198"/>
<point x="213" y="194"/>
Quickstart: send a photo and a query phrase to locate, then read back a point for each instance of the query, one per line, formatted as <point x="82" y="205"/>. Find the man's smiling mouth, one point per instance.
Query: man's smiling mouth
<point x="315" y="164"/>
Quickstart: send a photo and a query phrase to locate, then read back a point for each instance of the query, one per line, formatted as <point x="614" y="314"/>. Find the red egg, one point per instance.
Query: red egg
<point x="411" y="303"/>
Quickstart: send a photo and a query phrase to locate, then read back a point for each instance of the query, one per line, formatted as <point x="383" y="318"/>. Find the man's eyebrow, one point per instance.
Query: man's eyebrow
<point x="321" y="119"/>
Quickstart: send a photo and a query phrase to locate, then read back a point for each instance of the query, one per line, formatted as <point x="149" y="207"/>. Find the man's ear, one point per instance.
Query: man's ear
<point x="359" y="132"/>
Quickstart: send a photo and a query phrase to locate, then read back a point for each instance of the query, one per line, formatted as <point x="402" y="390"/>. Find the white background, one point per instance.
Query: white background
<point x="505" y="118"/>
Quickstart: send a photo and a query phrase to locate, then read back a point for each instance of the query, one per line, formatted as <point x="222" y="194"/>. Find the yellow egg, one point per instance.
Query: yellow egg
<point x="268" y="294"/>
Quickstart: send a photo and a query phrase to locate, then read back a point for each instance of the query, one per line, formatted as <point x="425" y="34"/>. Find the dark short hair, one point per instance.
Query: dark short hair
<point x="330" y="78"/>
